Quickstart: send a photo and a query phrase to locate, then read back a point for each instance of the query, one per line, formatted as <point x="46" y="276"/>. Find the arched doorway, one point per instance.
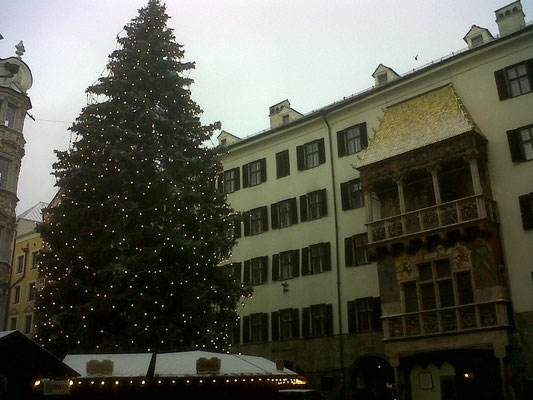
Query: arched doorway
<point x="372" y="379"/>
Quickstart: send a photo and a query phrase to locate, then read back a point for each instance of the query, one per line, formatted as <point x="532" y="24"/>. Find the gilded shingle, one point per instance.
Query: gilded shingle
<point x="426" y="119"/>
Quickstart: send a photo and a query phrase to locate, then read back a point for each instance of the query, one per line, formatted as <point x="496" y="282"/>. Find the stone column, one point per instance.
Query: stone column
<point x="476" y="183"/>
<point x="399" y="182"/>
<point x="434" y="171"/>
<point x="474" y="171"/>
<point x="500" y="352"/>
<point x="395" y="363"/>
<point x="368" y="203"/>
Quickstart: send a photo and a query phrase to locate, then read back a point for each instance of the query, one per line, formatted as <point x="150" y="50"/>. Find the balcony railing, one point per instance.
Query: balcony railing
<point x="446" y="320"/>
<point x="431" y="218"/>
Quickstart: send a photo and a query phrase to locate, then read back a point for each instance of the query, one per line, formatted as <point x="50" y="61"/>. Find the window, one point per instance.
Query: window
<point x="316" y="259"/>
<point x="317" y="320"/>
<point x="28" y="324"/>
<point x="313" y="205"/>
<point x="515" y="80"/>
<point x="352" y="195"/>
<point x="382" y="79"/>
<point x="34" y="259"/>
<point x="16" y="294"/>
<point x="477" y="40"/>
<point x="234" y="271"/>
<point x="364" y="315"/>
<point x="230" y="180"/>
<point x="285" y="324"/>
<point x="223" y="142"/>
<point x="4" y="170"/>
<point x="526" y="209"/>
<point x="10" y="115"/>
<point x="286" y="265"/>
<point x="31" y="291"/>
<point x="255" y="328"/>
<point x="233" y="231"/>
<point x="282" y="164"/>
<point x="352" y="140"/>
<point x="437" y="287"/>
<point x="284" y="213"/>
<point x="356" y="250"/>
<point x="285" y="119"/>
<point x="311" y="154"/>
<point x="20" y="264"/>
<point x="254" y="173"/>
<point x="255" y="221"/>
<point x="521" y="143"/>
<point x="255" y="271"/>
<point x="13" y="323"/>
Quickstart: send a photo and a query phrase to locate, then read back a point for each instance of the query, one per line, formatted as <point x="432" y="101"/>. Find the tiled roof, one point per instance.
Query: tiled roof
<point x="35" y="213"/>
<point x="423" y="120"/>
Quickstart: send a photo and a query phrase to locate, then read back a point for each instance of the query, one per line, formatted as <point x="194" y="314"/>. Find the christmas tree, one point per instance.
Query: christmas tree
<point x="135" y="244"/>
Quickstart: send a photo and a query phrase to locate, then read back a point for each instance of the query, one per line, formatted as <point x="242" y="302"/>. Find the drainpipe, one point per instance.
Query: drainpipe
<point x="337" y="259"/>
<point x="11" y="286"/>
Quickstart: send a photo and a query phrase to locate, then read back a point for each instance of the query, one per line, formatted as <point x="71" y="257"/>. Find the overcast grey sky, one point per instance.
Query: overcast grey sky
<point x="249" y="55"/>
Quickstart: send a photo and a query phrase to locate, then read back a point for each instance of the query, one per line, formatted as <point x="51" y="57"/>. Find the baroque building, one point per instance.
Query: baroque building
<point x="15" y="81"/>
<point x="387" y="237"/>
<point x="24" y="274"/>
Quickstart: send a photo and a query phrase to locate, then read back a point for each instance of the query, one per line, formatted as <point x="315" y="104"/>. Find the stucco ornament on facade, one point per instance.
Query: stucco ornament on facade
<point x="461" y="256"/>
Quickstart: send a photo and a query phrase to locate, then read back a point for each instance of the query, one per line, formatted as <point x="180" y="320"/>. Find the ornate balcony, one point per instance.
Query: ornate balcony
<point x="458" y="319"/>
<point x="429" y="219"/>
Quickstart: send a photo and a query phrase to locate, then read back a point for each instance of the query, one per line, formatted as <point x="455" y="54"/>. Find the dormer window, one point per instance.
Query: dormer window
<point x="477" y="40"/>
<point x="382" y="79"/>
<point x="10" y="115"/>
<point x="285" y="119"/>
<point x="223" y="142"/>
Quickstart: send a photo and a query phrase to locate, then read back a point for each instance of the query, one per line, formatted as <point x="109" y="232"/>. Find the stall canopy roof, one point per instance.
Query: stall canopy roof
<point x="178" y="364"/>
<point x="418" y="122"/>
<point x="123" y="365"/>
<point x="183" y="364"/>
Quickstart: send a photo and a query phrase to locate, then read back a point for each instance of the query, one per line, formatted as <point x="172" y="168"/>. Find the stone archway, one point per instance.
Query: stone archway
<point x="372" y="379"/>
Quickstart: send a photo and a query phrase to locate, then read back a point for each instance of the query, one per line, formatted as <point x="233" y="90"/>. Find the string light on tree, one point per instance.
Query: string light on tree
<point x="139" y="232"/>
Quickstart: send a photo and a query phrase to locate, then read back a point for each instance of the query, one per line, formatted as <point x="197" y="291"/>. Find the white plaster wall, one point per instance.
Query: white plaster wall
<point x="473" y="78"/>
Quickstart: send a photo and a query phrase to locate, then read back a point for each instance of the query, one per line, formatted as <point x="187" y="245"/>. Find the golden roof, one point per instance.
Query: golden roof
<point x="418" y="122"/>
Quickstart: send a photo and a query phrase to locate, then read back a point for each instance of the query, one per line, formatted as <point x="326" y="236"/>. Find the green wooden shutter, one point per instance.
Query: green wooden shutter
<point x="300" y="158"/>
<point x="295" y="323"/>
<point x="323" y="202"/>
<point x="305" y="261"/>
<point x="329" y="319"/>
<point x="245" y="175"/>
<point x="264" y="218"/>
<point x="295" y="258"/>
<point x="274" y="215"/>
<point x="294" y="211"/>
<point x="526" y="209"/>
<point x="376" y="314"/>
<point x="247" y="276"/>
<point x="274" y="318"/>
<point x="345" y="195"/>
<point x="348" y="252"/>
<point x="363" y="135"/>
<point x="275" y="267"/>
<point x="515" y="146"/>
<point x="263" y="169"/>
<point x="264" y="269"/>
<point x="246" y="329"/>
<point x="341" y="147"/>
<point x="327" y="256"/>
<point x="264" y="327"/>
<point x="321" y="152"/>
<point x="352" y="317"/>
<point x="303" y="208"/>
<point x="306" y="321"/>
<point x="501" y="84"/>
<point x="247" y="221"/>
<point x="237" y="179"/>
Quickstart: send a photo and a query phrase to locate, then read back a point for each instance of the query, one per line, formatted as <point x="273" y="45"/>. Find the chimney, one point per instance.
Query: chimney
<point x="510" y="18"/>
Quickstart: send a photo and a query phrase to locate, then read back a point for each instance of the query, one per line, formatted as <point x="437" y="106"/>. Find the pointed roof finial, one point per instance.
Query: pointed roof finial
<point x="20" y="49"/>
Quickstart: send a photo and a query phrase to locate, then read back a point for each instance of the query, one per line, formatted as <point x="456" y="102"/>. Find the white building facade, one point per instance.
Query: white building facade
<point x="310" y="193"/>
